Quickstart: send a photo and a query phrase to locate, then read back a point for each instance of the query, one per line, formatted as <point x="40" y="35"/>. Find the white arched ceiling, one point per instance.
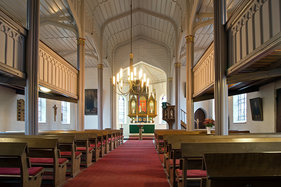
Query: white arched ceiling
<point x="159" y="20"/>
<point x="107" y="25"/>
<point x="204" y="36"/>
<point x="143" y="50"/>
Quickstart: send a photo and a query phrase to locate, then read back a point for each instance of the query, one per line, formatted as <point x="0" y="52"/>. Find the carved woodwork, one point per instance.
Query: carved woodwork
<point x="168" y="114"/>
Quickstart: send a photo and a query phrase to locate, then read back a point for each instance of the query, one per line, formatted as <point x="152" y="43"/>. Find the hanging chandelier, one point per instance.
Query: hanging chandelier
<point x="137" y="81"/>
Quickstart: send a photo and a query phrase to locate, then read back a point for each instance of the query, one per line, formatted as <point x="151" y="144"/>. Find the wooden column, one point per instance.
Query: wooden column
<point x="177" y="93"/>
<point x="220" y="52"/>
<point x="81" y="101"/>
<point x="100" y="92"/>
<point x="189" y="81"/>
<point x="112" y="105"/>
<point x="32" y="61"/>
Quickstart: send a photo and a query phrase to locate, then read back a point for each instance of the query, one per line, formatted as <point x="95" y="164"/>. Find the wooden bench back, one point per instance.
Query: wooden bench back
<point x="14" y="155"/>
<point x="225" y="165"/>
<point x="175" y="141"/>
<point x="37" y="147"/>
<point x="255" y="145"/>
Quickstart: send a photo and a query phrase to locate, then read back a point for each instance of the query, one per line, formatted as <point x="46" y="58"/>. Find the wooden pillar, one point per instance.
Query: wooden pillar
<point x="111" y="104"/>
<point x="81" y="101"/>
<point x="177" y="94"/>
<point x="220" y="52"/>
<point x="100" y="98"/>
<point x="189" y="81"/>
<point x="32" y="61"/>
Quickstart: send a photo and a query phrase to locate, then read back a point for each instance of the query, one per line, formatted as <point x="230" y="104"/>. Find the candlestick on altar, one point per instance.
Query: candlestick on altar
<point x="137" y="118"/>
<point x="147" y="119"/>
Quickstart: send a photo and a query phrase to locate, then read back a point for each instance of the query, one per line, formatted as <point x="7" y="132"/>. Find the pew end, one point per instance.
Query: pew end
<point x="14" y="166"/>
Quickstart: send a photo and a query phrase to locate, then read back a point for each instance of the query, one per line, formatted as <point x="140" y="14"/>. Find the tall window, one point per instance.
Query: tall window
<point x="162" y="99"/>
<point x="65" y="112"/>
<point x="121" y="110"/>
<point x="240" y="108"/>
<point x="41" y="110"/>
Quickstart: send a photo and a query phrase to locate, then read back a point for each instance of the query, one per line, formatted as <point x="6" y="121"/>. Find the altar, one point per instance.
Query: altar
<point x="141" y="128"/>
<point x="146" y="128"/>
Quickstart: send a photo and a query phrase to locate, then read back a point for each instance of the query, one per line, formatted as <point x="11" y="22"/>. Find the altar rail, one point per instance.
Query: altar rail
<point x="253" y="30"/>
<point x="12" y="47"/>
<point x="56" y="73"/>
<point x="203" y="72"/>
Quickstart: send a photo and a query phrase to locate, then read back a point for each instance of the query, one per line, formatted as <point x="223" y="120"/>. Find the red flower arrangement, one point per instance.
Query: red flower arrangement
<point x="209" y="122"/>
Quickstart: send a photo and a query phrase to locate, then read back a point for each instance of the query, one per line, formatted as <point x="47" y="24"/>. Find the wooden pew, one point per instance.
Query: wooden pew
<point x="14" y="168"/>
<point x="44" y="153"/>
<point x="81" y="142"/>
<point x="67" y="149"/>
<point x="239" y="170"/>
<point x="173" y="143"/>
<point x="160" y="133"/>
<point x="102" y="140"/>
<point x="197" y="149"/>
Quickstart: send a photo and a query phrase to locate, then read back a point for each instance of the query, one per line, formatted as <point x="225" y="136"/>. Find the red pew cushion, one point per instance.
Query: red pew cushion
<point x="46" y="160"/>
<point x="68" y="153"/>
<point x="192" y="173"/>
<point x="177" y="162"/>
<point x="16" y="171"/>
<point x="84" y="148"/>
<point x="161" y="156"/>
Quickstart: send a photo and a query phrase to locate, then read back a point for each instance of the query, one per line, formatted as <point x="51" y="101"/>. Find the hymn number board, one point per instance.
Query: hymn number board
<point x="20" y="110"/>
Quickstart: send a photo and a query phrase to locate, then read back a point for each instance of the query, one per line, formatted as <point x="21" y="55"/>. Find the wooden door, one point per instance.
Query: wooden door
<point x="278" y="104"/>
<point x="200" y="115"/>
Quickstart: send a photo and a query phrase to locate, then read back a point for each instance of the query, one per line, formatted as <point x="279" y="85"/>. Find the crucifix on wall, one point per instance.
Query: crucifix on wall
<point x="55" y="112"/>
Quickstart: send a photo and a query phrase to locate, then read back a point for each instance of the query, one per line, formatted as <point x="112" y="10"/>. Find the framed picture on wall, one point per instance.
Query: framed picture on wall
<point x="91" y="102"/>
<point x="256" y="109"/>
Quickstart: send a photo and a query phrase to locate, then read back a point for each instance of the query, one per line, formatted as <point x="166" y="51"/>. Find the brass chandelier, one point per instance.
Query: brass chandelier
<point x="138" y="82"/>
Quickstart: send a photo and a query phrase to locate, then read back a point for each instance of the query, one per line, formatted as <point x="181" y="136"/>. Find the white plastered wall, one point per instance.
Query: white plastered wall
<point x="143" y="50"/>
<point x="8" y="113"/>
<point x="91" y="82"/>
<point x="268" y="95"/>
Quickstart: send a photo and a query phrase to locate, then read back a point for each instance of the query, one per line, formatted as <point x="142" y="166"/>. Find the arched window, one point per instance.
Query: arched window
<point x="121" y="110"/>
<point x="162" y="99"/>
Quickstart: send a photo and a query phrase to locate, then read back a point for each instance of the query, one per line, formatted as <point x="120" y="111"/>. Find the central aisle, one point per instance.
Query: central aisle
<point x="135" y="163"/>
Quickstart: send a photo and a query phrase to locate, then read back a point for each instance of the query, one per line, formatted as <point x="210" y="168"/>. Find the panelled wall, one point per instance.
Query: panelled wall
<point x="56" y="73"/>
<point x="12" y="47"/>
<point x="203" y="72"/>
<point x="252" y="31"/>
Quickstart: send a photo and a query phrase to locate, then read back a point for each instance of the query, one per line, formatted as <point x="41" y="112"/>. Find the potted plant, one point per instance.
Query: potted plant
<point x="209" y="123"/>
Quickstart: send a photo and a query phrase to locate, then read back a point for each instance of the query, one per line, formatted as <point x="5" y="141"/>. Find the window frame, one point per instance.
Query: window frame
<point x="240" y="108"/>
<point x="65" y="107"/>
<point x="42" y="113"/>
<point x="123" y="110"/>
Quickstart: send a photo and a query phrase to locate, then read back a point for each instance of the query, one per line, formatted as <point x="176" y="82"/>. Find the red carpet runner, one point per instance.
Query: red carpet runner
<point x="133" y="164"/>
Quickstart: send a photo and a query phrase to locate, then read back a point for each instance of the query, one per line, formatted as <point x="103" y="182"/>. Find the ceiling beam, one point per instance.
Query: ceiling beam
<point x="144" y="38"/>
<point x="55" y="23"/>
<point x="111" y="36"/>
<point x="246" y="77"/>
<point x="151" y="13"/>
<point x="88" y="53"/>
<point x="201" y="24"/>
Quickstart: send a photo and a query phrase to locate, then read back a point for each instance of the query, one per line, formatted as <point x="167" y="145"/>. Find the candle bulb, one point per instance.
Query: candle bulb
<point x="114" y="80"/>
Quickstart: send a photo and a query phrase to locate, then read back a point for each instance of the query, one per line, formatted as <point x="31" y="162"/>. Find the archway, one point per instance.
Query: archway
<point x="199" y="115"/>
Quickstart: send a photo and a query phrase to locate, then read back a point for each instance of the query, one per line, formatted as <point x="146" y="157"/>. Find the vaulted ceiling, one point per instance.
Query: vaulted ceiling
<point x="160" y="21"/>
